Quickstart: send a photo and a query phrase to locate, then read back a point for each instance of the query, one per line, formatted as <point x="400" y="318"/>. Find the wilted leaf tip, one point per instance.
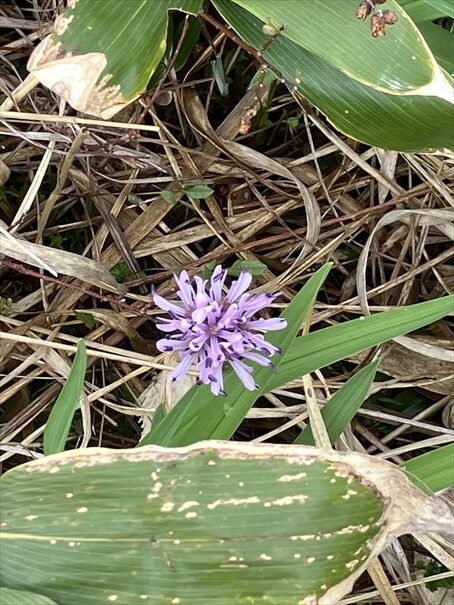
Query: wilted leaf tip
<point x="76" y="78"/>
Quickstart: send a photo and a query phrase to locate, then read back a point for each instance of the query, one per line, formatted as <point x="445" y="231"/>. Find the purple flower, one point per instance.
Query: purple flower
<point x="213" y="328"/>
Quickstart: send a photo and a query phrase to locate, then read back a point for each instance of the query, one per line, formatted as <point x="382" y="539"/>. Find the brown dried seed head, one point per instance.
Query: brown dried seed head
<point x="390" y="17"/>
<point x="377" y="25"/>
<point x="363" y="11"/>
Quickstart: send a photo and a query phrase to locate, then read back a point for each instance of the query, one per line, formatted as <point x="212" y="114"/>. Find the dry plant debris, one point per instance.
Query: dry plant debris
<point x="93" y="214"/>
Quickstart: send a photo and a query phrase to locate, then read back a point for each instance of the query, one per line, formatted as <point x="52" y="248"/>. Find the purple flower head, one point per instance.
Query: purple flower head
<point x="213" y="328"/>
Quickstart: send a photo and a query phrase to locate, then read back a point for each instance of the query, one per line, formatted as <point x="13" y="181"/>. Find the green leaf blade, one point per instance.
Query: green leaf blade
<point x="59" y="421"/>
<point x="400" y="62"/>
<point x="109" y="526"/>
<point x="434" y="470"/>
<point x="406" y="123"/>
<point x="338" y="412"/>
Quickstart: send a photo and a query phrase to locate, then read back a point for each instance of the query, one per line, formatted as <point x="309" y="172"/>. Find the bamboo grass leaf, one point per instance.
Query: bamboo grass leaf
<point x="213" y="523"/>
<point x="103" y="52"/>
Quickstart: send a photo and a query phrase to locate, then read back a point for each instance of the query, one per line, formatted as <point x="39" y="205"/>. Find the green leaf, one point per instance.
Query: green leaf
<point x="86" y="318"/>
<point x="105" y="51"/>
<point x="60" y="418"/>
<point x="201" y="415"/>
<point x="197" y="413"/>
<point x="441" y="41"/>
<point x="444" y="6"/>
<point x="218" y="523"/>
<point x="171" y="196"/>
<point x="400" y="62"/>
<point x="421" y="10"/>
<point x="324" y="347"/>
<point x="405" y="123"/>
<point x="434" y="470"/>
<point x="9" y="596"/>
<point x="253" y="266"/>
<point x="198" y="192"/>
<point x="339" y="411"/>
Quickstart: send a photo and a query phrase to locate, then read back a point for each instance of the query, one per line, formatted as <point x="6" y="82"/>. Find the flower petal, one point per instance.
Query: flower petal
<point x="186" y="291"/>
<point x="217" y="381"/>
<point x="275" y="323"/>
<point x="244" y="373"/>
<point x="165" y="345"/>
<point x="217" y="282"/>
<point x="182" y="368"/>
<point x="166" y="305"/>
<point x="260" y="359"/>
<point x="239" y="286"/>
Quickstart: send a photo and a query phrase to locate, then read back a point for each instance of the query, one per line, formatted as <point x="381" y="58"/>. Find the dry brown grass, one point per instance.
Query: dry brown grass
<point x="80" y="196"/>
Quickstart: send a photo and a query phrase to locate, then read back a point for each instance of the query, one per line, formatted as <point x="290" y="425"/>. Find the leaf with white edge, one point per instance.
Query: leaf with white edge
<point x="398" y="63"/>
<point x="103" y="52"/>
<point x="405" y="123"/>
<point x="9" y="596"/>
<point x="218" y="522"/>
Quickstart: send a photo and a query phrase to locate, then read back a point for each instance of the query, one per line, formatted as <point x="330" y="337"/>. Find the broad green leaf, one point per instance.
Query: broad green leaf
<point x="404" y="123"/>
<point x="339" y="411"/>
<point x="400" y="62"/>
<point x="218" y="523"/>
<point x="103" y="52"/>
<point x="196" y="415"/>
<point x="9" y="596"/>
<point x="441" y="41"/>
<point x="60" y="418"/>
<point x="444" y="6"/>
<point x="421" y="10"/>
<point x="222" y="415"/>
<point x="434" y="470"/>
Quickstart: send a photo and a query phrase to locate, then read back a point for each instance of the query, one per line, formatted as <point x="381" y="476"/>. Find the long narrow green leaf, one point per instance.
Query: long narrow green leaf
<point x="444" y="6"/>
<point x="222" y="415"/>
<point x="405" y="123"/>
<point x="399" y="62"/>
<point x="432" y="471"/>
<point x="343" y="405"/>
<point x="60" y="418"/>
<point x="324" y="347"/>
<point x="194" y="418"/>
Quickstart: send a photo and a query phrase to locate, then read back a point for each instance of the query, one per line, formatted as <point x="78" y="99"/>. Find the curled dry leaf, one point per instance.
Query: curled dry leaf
<point x="423" y="217"/>
<point x="200" y="523"/>
<point x="59" y="262"/>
